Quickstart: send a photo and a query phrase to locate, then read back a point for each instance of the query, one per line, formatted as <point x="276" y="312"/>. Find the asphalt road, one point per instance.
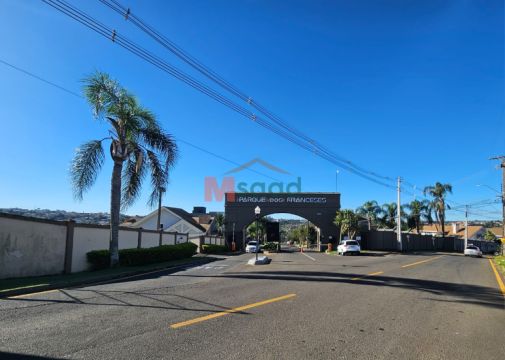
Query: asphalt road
<point x="425" y="306"/>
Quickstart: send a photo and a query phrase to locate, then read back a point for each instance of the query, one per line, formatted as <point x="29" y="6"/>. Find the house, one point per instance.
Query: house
<point x="475" y="232"/>
<point x="172" y="220"/>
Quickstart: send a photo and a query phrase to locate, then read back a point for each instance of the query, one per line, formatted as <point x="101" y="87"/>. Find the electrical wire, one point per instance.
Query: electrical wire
<point x="212" y="75"/>
<point x="101" y="29"/>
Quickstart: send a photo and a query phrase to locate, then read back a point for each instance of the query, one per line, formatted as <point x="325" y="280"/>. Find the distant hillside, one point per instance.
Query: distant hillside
<point x="62" y="215"/>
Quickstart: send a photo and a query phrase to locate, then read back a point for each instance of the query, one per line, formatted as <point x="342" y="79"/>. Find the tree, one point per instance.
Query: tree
<point x="138" y="146"/>
<point x="438" y="192"/>
<point x="388" y="219"/>
<point x="347" y="221"/>
<point x="489" y="236"/>
<point x="219" y="223"/>
<point x="371" y="211"/>
<point x="419" y="211"/>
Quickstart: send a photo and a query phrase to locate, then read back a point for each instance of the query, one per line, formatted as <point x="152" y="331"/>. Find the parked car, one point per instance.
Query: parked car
<point x="348" y="247"/>
<point x="251" y="247"/>
<point x="472" y="250"/>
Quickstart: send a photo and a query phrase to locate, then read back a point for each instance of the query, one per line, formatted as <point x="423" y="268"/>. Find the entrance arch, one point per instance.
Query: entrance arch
<point x="318" y="208"/>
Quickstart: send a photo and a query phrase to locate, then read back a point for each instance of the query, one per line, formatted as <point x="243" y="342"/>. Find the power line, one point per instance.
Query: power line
<point x="212" y="75"/>
<point x="39" y="78"/>
<point x="178" y="138"/>
<point x="101" y="29"/>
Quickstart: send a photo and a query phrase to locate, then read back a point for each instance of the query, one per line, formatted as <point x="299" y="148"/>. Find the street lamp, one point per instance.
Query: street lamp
<point x="257" y="212"/>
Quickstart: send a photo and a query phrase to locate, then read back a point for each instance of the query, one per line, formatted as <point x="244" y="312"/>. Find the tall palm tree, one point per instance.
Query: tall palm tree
<point x="137" y="145"/>
<point x="438" y="192"/>
<point x="371" y="211"/>
<point x="419" y="211"/>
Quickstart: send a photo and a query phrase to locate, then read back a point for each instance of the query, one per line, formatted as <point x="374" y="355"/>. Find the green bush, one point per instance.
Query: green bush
<point x="271" y="246"/>
<point x="132" y="257"/>
<point x="214" y="249"/>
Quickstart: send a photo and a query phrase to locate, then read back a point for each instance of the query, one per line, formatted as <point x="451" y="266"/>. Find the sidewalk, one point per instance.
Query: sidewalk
<point x="26" y="285"/>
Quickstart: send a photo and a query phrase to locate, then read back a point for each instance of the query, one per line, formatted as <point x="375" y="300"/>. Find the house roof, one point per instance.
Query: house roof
<point x="472" y="230"/>
<point x="183" y="214"/>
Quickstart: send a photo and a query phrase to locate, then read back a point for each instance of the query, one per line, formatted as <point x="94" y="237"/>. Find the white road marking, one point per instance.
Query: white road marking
<point x="310" y="257"/>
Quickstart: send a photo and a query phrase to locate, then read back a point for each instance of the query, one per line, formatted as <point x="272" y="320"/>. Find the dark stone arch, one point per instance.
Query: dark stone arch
<point x="318" y="208"/>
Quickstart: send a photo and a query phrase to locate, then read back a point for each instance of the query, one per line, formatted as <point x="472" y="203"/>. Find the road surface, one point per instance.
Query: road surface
<point x="301" y="306"/>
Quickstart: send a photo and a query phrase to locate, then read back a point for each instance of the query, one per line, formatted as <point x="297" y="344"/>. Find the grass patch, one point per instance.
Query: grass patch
<point x="500" y="261"/>
<point x="37" y="283"/>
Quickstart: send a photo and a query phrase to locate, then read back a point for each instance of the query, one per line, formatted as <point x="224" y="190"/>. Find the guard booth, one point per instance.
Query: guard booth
<point x="319" y="208"/>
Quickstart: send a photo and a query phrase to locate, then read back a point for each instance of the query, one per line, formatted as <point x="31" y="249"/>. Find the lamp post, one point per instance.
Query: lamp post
<point x="257" y="212"/>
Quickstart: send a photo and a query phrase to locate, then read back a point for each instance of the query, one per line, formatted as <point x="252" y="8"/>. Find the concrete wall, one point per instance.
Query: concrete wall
<point x="30" y="248"/>
<point x="35" y="247"/>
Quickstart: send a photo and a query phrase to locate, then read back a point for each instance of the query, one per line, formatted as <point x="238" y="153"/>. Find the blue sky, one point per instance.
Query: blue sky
<point x="409" y="88"/>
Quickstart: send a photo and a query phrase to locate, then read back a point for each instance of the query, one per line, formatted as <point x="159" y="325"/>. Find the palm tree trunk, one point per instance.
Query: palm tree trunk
<point x="442" y="223"/>
<point x="115" y="206"/>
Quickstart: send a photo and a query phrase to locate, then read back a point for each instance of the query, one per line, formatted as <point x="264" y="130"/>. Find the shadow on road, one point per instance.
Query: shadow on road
<point x="118" y="298"/>
<point x="471" y="294"/>
<point x="16" y="356"/>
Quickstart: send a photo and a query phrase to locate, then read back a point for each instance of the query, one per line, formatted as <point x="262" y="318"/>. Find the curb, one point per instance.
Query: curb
<point x="105" y="279"/>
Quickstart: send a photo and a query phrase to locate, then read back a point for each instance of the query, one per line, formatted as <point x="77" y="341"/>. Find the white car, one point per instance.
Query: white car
<point x="348" y="247"/>
<point x="472" y="250"/>
<point x="251" y="247"/>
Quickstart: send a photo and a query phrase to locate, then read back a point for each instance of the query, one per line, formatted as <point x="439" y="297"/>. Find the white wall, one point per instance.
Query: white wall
<point x="31" y="248"/>
<point x="35" y="247"/>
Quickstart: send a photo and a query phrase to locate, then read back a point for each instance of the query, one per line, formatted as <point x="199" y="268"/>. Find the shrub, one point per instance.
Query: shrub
<point x="271" y="246"/>
<point x="132" y="257"/>
<point x="214" y="249"/>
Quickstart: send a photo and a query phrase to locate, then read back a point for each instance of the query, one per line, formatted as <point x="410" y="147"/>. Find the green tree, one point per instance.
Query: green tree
<point x="489" y="236"/>
<point x="419" y="211"/>
<point x="256" y="229"/>
<point x="388" y="218"/>
<point x="438" y="192"/>
<point x="371" y="211"/>
<point x="347" y="221"/>
<point x="137" y="146"/>
<point x="219" y="223"/>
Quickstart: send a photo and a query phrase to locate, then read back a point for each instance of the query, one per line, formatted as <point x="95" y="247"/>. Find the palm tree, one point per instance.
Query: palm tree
<point x="419" y="211"/>
<point x="137" y="145"/>
<point x="347" y="221"/>
<point x="388" y="219"/>
<point x="438" y="192"/>
<point x="371" y="211"/>
<point x="219" y="223"/>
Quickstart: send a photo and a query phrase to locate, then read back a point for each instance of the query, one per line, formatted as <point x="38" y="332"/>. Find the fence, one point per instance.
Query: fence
<point x="386" y="240"/>
<point x="207" y="240"/>
<point x="34" y="247"/>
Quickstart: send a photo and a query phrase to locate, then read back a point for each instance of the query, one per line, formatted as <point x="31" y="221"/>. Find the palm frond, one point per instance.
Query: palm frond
<point x="102" y="92"/>
<point x="162" y="142"/>
<point x="159" y="177"/>
<point x="86" y="165"/>
<point x="133" y="174"/>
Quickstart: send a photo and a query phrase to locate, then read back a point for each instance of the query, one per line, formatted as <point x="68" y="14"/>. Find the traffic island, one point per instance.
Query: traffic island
<point x="261" y="260"/>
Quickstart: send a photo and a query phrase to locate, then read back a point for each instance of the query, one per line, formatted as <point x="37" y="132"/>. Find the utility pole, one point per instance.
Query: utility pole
<point x="502" y="165"/>
<point x="399" y="215"/>
<point x="466" y="227"/>
<point x="336" y="181"/>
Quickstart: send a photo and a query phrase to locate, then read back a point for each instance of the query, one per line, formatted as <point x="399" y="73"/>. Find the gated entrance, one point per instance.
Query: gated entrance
<point x="318" y="208"/>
